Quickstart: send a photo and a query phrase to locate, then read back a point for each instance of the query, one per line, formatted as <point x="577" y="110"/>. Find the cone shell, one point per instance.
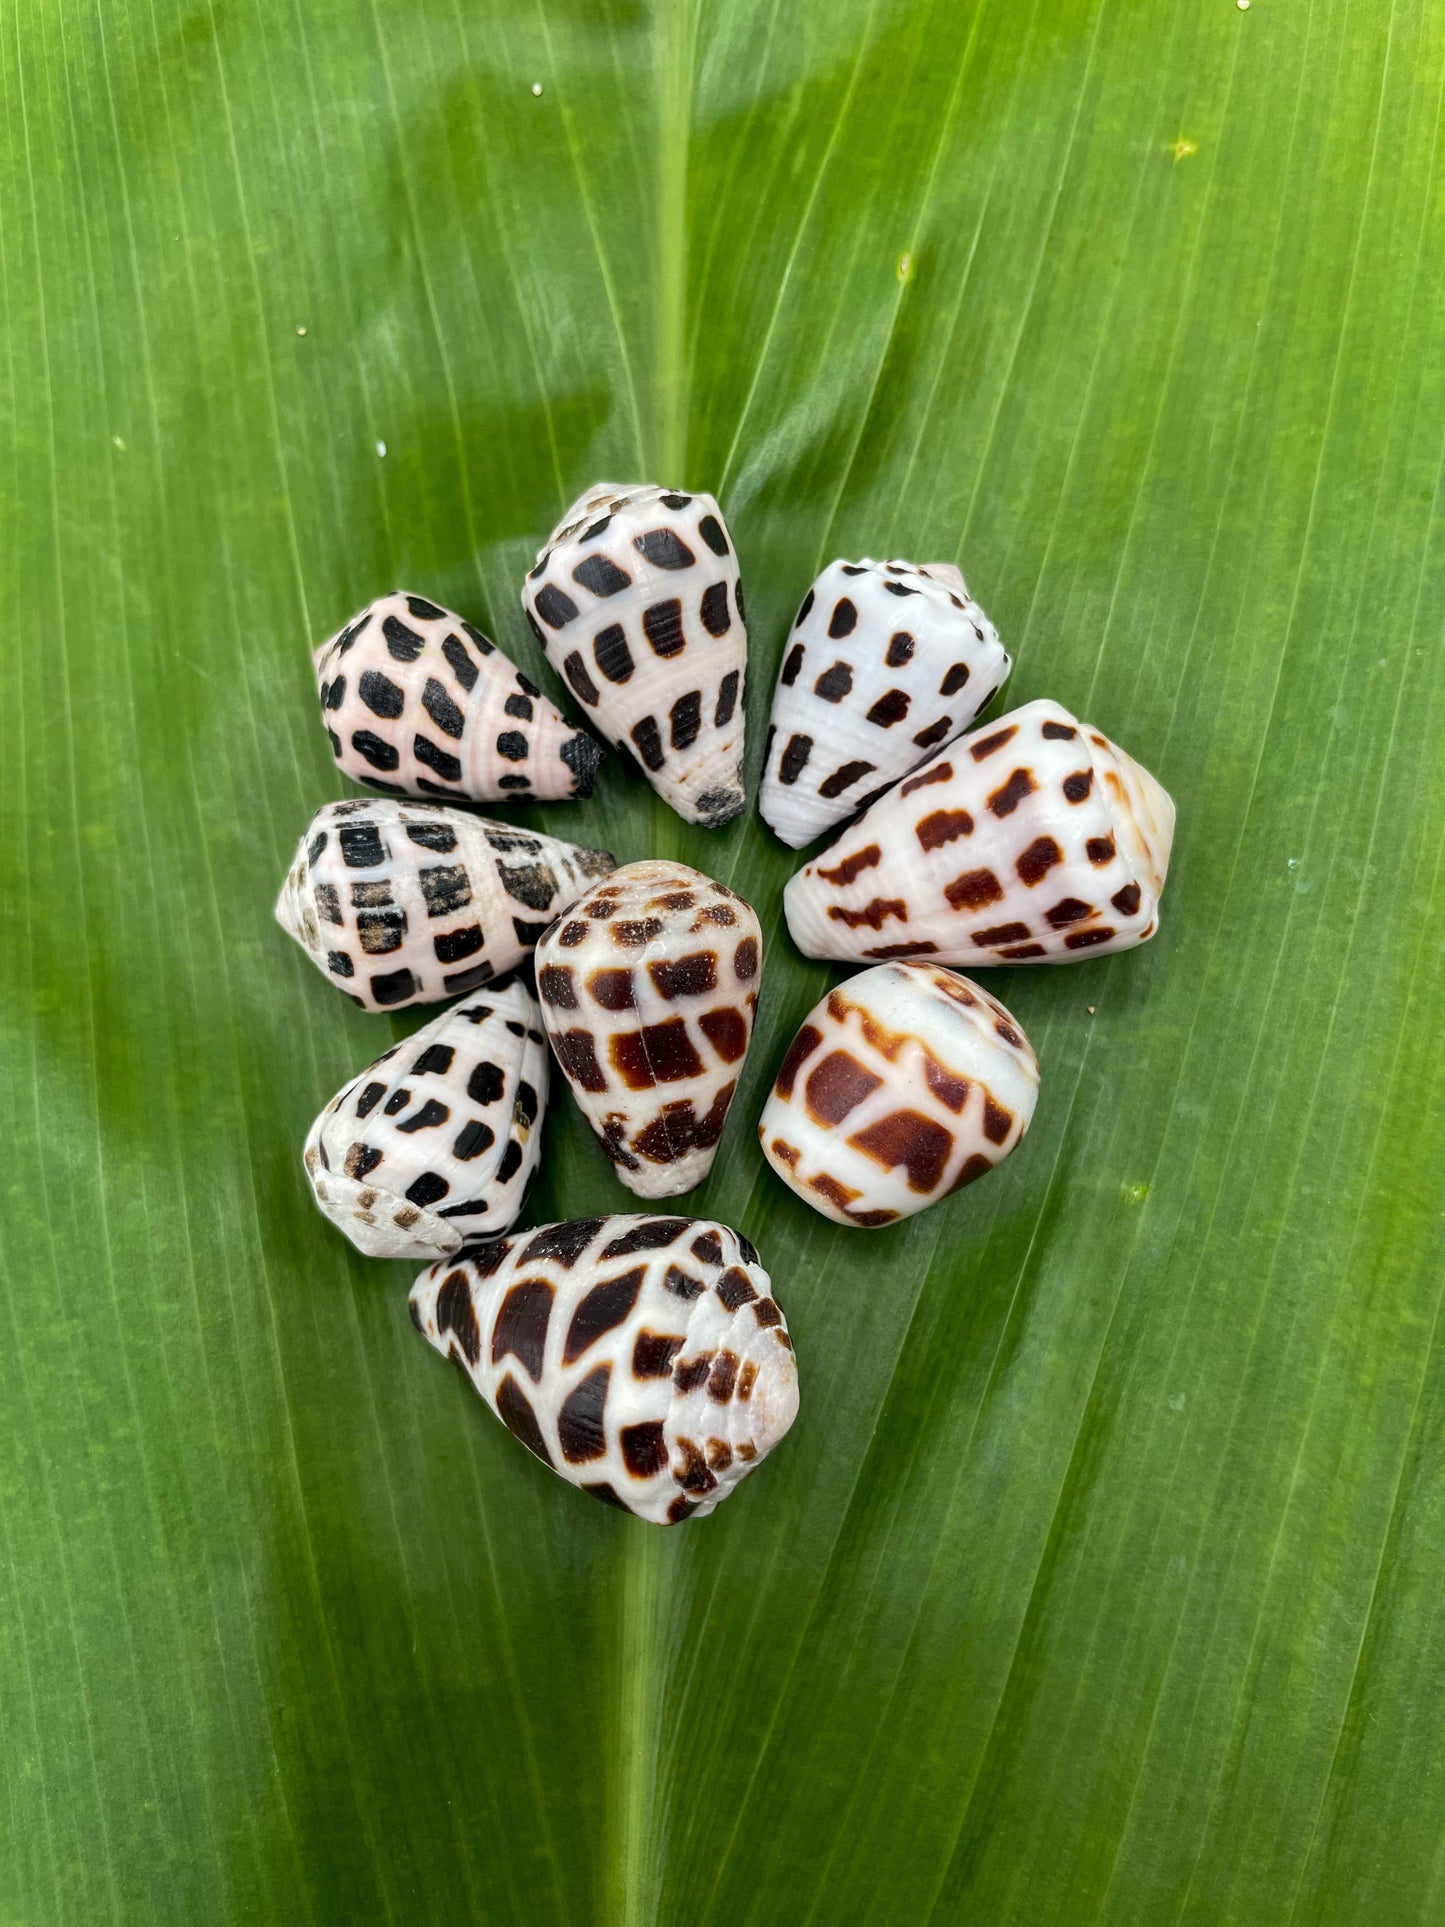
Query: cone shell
<point x="642" y="1358"/>
<point x="407" y="903"/>
<point x="904" y="1084"/>
<point x="649" y="986"/>
<point x="418" y="702"/>
<point x="1032" y="840"/>
<point x="636" y="601"/>
<point x="437" y="1140"/>
<point x="885" y="663"/>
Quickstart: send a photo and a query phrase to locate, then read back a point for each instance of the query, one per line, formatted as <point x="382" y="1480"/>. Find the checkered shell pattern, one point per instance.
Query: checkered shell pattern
<point x="905" y="1083"/>
<point x="417" y="702"/>
<point x="649" y="986"/>
<point x="635" y="599"/>
<point x="437" y="1141"/>
<point x="1032" y="840"/>
<point x="642" y="1358"/>
<point x="886" y="662"/>
<point x="408" y="903"/>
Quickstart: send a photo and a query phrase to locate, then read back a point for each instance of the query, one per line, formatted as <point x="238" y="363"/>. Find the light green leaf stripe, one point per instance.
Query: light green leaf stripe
<point x="1099" y="1581"/>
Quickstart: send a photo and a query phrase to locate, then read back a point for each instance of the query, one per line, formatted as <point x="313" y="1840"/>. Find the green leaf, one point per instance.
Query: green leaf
<point x="1099" y="1580"/>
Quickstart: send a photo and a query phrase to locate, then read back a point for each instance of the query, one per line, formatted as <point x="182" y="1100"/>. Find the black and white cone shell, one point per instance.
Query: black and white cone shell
<point x="886" y="662"/>
<point x="636" y="600"/>
<point x="437" y="1141"/>
<point x="407" y="903"/>
<point x="417" y="702"/>
<point x="644" y="1359"/>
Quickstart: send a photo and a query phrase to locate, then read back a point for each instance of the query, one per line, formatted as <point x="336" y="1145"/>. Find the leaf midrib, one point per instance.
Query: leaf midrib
<point x="631" y="1885"/>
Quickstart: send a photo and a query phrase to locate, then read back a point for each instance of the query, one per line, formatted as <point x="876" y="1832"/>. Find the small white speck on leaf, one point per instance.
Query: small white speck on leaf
<point x="536" y="87"/>
<point x="1291" y="862"/>
<point x="1243" y="5"/>
<point x="1177" y="1401"/>
<point x="116" y="442"/>
<point x="1183" y="147"/>
<point x="381" y="448"/>
<point x="1090" y="1009"/>
<point x="1134" y="1193"/>
<point x="905" y="267"/>
<point x="300" y="327"/>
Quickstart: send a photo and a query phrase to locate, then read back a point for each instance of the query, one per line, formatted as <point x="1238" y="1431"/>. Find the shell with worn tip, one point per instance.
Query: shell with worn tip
<point x="642" y="1358"/>
<point x="407" y="903"/>
<point x="649" y="985"/>
<point x="1032" y="840"/>
<point x="886" y="661"/>
<point x="904" y="1084"/>
<point x="636" y="601"/>
<point x="419" y="703"/>
<point x="437" y="1141"/>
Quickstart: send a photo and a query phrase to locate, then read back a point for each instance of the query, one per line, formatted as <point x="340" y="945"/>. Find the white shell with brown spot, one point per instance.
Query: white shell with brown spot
<point x="437" y="1141"/>
<point x="904" y="1084"/>
<point x="635" y="599"/>
<point x="418" y="702"/>
<point x="407" y="903"/>
<point x="1032" y="840"/>
<point x="649" y="986"/>
<point x="642" y="1358"/>
<point x="886" y="662"/>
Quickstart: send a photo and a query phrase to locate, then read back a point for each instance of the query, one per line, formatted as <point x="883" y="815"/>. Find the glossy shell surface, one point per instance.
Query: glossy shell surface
<point x="649" y="986"/>
<point x="635" y="599"/>
<point x="886" y="662"/>
<point x="642" y="1358"/>
<point x="408" y="903"/>
<point x="1032" y="840"/>
<point x="419" y="703"/>
<point x="904" y="1084"/>
<point x="437" y="1141"/>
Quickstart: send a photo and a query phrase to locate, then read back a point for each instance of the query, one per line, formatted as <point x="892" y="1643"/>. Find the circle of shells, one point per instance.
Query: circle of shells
<point x="642" y="1356"/>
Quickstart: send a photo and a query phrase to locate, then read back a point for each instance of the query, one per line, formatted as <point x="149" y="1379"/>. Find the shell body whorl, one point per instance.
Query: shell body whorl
<point x="437" y="1141"/>
<point x="885" y="662"/>
<point x="1031" y="840"/>
<point x="402" y="903"/>
<point x="636" y="601"/>
<point x="417" y="702"/>
<point x="905" y="1083"/>
<point x="649" y="986"/>
<point x="642" y="1358"/>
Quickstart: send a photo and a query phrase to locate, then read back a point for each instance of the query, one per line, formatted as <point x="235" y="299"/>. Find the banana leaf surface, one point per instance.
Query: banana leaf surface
<point x="1099" y="1580"/>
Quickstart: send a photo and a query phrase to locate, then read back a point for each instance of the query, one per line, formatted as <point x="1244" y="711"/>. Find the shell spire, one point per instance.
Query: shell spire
<point x="636" y="601"/>
<point x="437" y="1141"/>
<point x="649" y="986"/>
<point x="417" y="702"/>
<point x="407" y="903"/>
<point x="643" y="1359"/>
<point x="886" y="662"/>
<point x="1032" y="840"/>
<point x="905" y="1083"/>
